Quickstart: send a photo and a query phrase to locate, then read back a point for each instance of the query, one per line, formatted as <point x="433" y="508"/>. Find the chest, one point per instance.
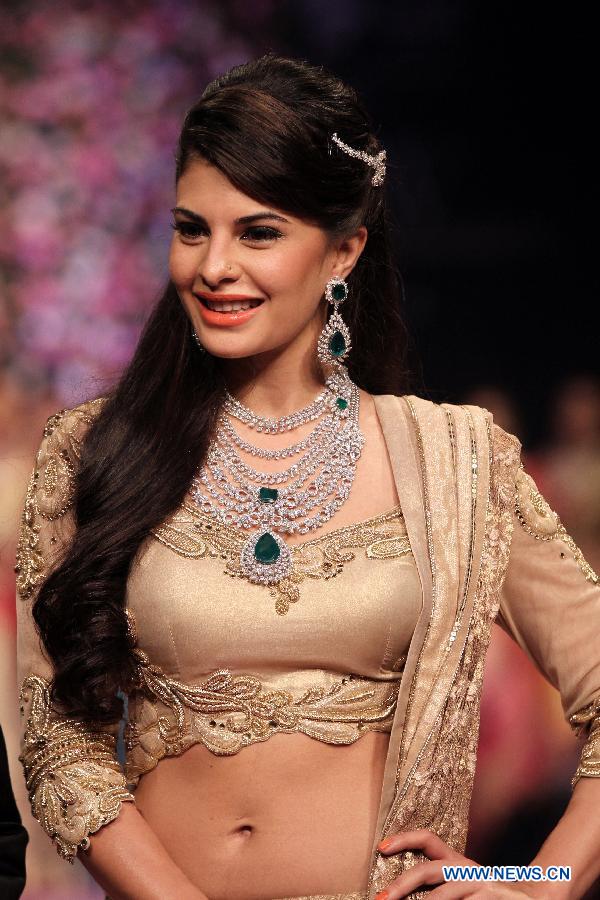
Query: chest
<point x="350" y="604"/>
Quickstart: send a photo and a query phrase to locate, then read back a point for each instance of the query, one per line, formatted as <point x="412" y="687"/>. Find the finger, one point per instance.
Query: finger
<point x="422" y="839"/>
<point x="405" y="884"/>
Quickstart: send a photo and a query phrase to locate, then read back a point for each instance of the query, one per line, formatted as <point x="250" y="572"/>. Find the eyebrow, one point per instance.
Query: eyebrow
<point x="243" y="220"/>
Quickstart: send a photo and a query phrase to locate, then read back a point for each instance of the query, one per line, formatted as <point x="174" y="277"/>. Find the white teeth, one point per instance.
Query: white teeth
<point x="229" y="307"/>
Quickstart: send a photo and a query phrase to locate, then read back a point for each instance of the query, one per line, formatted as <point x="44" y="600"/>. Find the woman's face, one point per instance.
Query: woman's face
<point x="271" y="257"/>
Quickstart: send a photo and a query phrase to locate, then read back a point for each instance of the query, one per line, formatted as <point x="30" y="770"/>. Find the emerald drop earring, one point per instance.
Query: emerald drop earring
<point x="334" y="341"/>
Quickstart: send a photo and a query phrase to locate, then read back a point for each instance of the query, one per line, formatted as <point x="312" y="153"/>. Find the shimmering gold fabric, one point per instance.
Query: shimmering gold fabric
<point x="74" y="779"/>
<point x="360" y="895"/>
<point x="325" y="658"/>
<point x="383" y="625"/>
<point x="550" y="597"/>
<point x="457" y="475"/>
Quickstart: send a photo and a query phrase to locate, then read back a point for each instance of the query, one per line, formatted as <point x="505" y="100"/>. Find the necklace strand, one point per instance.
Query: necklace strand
<point x="282" y="453"/>
<point x="334" y="385"/>
<point x="238" y="495"/>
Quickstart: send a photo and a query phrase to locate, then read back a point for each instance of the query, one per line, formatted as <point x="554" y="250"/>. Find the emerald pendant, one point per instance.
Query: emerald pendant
<point x="268" y="495"/>
<point x="337" y="344"/>
<point x="341" y="403"/>
<point x="265" y="558"/>
<point x="267" y="549"/>
<point x="334" y="342"/>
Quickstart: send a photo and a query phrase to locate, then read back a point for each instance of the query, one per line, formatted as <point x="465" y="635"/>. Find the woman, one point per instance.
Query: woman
<point x="302" y="654"/>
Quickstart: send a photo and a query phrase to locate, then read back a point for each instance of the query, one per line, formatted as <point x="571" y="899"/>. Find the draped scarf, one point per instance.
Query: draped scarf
<point x="455" y="473"/>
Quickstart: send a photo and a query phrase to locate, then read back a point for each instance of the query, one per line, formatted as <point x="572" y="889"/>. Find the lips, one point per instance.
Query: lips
<point x="228" y="304"/>
<point x="227" y="298"/>
<point x="226" y="317"/>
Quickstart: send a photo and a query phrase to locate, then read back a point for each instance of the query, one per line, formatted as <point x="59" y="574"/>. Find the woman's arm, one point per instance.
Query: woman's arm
<point x="129" y="862"/>
<point x="550" y="605"/>
<point x="76" y="786"/>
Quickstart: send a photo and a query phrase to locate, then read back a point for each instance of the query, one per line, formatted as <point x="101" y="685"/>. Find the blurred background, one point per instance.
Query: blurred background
<point x="485" y="112"/>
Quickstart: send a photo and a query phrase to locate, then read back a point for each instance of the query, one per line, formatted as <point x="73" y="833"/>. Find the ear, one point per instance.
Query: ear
<point x="347" y="252"/>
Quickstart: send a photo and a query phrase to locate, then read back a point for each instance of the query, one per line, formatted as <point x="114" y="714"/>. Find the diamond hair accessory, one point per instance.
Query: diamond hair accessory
<point x="377" y="161"/>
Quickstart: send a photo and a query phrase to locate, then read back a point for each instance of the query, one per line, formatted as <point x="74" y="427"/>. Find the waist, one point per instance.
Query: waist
<point x="267" y="822"/>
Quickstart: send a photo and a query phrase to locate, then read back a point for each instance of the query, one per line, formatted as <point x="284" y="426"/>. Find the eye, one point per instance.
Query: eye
<point x="257" y="233"/>
<point x="187" y="229"/>
<point x="263" y="233"/>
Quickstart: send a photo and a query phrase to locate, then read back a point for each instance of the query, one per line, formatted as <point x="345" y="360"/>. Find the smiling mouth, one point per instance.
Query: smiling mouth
<point x="234" y="306"/>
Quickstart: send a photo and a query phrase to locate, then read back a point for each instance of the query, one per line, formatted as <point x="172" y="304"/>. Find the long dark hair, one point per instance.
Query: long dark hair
<point x="267" y="126"/>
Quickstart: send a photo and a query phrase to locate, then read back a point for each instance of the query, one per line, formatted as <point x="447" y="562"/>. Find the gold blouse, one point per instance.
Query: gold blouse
<point x="228" y="663"/>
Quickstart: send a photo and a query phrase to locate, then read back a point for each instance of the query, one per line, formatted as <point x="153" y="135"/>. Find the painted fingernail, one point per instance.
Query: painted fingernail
<point x="383" y="845"/>
<point x="382" y="895"/>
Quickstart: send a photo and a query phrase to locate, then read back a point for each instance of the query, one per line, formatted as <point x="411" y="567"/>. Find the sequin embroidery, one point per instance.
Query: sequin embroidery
<point x="73" y="777"/>
<point x="194" y="534"/>
<point x="586" y="721"/>
<point x="227" y="712"/>
<point x="539" y="519"/>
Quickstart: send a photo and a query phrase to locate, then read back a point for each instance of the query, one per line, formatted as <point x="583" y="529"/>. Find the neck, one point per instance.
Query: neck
<point x="276" y="383"/>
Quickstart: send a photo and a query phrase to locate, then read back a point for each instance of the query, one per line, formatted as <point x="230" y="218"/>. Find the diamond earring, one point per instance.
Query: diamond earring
<point x="197" y="339"/>
<point x="334" y="341"/>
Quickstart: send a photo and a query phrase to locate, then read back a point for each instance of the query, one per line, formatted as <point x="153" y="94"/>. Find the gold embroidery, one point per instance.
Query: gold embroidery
<point x="73" y="777"/>
<point x="29" y="566"/>
<point x="355" y="895"/>
<point x="474" y="475"/>
<point x="50" y="490"/>
<point x="539" y="520"/>
<point x="431" y="769"/>
<point x="227" y="712"/>
<point x="430" y="550"/>
<point x="194" y="534"/>
<point x="587" y="721"/>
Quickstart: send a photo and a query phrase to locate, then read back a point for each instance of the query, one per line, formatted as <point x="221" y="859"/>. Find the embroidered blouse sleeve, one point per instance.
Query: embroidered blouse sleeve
<point x="74" y="780"/>
<point x="550" y="605"/>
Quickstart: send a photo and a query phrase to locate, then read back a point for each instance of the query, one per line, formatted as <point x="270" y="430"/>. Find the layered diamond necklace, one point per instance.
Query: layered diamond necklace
<point x="236" y="494"/>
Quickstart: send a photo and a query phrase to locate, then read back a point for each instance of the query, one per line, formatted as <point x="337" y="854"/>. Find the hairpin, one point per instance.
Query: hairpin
<point x="377" y="161"/>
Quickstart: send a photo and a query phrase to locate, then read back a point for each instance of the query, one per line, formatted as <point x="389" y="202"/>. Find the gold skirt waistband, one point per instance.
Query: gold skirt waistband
<point x="357" y="895"/>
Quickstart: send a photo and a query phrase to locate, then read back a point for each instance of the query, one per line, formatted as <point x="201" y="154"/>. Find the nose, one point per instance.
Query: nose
<point x="216" y="266"/>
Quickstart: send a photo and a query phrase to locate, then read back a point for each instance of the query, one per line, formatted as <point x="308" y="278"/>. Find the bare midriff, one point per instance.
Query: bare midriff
<point x="285" y="817"/>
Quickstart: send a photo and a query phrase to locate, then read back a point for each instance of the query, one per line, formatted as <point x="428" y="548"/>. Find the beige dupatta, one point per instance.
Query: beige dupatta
<point x="455" y="473"/>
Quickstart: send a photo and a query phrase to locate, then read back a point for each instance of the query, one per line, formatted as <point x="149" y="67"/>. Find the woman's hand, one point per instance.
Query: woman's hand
<point x="430" y="873"/>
